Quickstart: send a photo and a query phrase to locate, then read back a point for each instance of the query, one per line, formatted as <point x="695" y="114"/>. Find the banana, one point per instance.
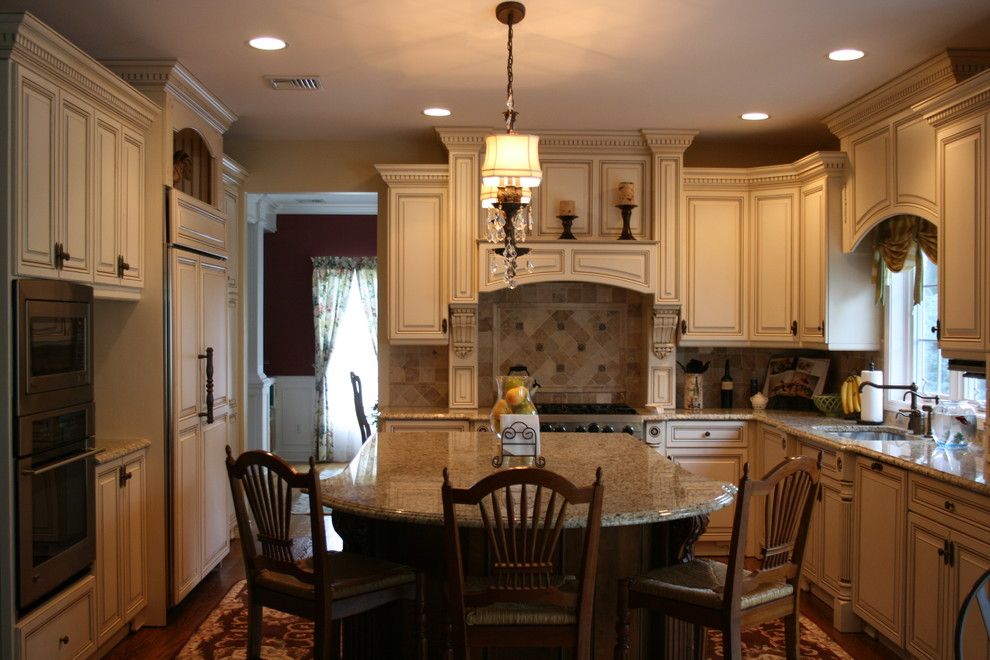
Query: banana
<point x="857" y="395"/>
<point x="844" y="395"/>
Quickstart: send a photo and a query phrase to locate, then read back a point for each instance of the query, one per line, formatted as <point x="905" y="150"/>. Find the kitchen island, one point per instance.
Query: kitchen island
<point x="387" y="503"/>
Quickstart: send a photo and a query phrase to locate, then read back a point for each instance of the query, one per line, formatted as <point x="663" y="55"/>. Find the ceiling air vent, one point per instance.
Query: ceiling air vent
<point x="304" y="83"/>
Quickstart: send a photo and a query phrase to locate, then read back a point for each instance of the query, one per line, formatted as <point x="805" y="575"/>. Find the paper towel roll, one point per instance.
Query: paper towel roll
<point x="871" y="399"/>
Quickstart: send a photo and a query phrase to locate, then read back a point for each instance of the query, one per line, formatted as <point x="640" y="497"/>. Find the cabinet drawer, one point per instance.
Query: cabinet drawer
<point x="947" y="503"/>
<point x="833" y="464"/>
<point x="63" y="629"/>
<point x="706" y="434"/>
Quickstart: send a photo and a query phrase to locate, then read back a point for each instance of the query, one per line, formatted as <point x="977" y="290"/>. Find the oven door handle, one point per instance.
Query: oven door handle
<point x="60" y="464"/>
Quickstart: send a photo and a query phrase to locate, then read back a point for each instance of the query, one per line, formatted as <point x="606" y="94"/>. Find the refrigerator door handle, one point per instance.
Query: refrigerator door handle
<point x="208" y="356"/>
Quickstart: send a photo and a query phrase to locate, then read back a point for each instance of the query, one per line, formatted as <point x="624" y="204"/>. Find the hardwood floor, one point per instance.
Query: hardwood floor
<point x="163" y="643"/>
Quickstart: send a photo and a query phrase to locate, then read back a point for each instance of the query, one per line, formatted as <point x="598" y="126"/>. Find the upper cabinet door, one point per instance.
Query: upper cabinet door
<point x="715" y="263"/>
<point x="130" y="230"/>
<point x="106" y="165"/>
<point x="75" y="207"/>
<point x="962" y="236"/>
<point x="774" y="274"/>
<point x="416" y="273"/>
<point x="34" y="134"/>
<point x="813" y="259"/>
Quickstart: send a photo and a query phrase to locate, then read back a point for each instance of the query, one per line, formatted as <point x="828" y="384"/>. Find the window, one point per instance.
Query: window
<point x="913" y="355"/>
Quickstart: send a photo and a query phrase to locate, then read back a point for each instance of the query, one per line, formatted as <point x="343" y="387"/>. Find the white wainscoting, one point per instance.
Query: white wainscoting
<point x="295" y="425"/>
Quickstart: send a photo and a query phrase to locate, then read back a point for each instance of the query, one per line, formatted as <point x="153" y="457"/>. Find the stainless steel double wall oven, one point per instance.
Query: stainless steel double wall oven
<point x="54" y="427"/>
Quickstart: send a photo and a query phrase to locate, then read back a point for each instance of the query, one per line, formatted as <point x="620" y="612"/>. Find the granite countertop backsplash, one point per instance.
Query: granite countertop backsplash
<point x="965" y="467"/>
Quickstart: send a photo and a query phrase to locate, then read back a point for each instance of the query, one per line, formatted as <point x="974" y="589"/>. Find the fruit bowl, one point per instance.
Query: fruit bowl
<point x="830" y="404"/>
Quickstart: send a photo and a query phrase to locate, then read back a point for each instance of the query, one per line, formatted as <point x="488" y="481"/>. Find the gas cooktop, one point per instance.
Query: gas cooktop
<point x="590" y="418"/>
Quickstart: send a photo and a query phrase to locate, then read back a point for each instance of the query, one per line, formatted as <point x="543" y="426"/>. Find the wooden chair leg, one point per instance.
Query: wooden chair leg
<point x="324" y="640"/>
<point x="700" y="641"/>
<point x="732" y="641"/>
<point x="622" y="620"/>
<point x="421" y="616"/>
<point x="255" y="616"/>
<point x="792" y="636"/>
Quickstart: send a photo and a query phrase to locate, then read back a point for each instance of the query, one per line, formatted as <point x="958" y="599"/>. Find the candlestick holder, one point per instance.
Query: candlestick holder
<point x="626" y="210"/>
<point x="566" y="221"/>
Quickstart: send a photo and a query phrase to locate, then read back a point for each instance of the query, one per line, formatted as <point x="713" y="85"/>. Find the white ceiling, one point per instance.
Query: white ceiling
<point x="579" y="64"/>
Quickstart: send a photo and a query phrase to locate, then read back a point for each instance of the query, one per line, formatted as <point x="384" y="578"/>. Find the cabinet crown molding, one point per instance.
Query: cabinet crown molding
<point x="814" y="165"/>
<point x="234" y="173"/>
<point x="414" y="175"/>
<point x="467" y="136"/>
<point x="173" y="77"/>
<point x="26" y="40"/>
<point x="929" y="78"/>
<point x="668" y="141"/>
<point x="973" y="95"/>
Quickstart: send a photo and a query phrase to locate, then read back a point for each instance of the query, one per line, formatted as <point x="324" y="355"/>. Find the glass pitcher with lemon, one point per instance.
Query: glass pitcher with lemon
<point x="515" y="396"/>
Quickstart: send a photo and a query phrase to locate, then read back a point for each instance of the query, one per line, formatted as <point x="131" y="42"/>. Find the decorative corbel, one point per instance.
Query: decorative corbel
<point x="664" y="329"/>
<point x="464" y="323"/>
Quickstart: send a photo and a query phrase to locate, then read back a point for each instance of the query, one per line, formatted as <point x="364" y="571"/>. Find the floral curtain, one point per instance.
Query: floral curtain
<point x="900" y="242"/>
<point x="367" y="282"/>
<point x="332" y="277"/>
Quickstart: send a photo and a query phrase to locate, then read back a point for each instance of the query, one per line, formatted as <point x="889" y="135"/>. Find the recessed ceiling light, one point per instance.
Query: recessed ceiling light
<point x="436" y="112"/>
<point x="845" y="55"/>
<point x="267" y="43"/>
<point x="754" y="116"/>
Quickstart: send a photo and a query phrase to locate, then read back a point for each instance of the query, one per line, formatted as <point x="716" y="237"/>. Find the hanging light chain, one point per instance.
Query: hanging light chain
<point x="510" y="111"/>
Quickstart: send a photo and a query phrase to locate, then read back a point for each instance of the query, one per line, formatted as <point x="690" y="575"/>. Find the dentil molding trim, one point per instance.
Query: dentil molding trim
<point x="414" y="175"/>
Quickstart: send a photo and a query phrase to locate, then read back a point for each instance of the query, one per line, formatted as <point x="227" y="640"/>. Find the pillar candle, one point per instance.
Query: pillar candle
<point x="626" y="193"/>
<point x="567" y="207"/>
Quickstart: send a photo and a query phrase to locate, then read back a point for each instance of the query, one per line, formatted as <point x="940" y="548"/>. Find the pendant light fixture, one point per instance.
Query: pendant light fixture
<point x="510" y="171"/>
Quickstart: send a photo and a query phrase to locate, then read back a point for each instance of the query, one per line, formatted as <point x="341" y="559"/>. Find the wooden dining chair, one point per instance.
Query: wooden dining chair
<point x="524" y="599"/>
<point x="297" y="574"/>
<point x="359" y="408"/>
<point x="711" y="594"/>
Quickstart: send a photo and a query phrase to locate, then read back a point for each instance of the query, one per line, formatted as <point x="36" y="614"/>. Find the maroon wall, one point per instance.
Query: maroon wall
<point x="289" y="344"/>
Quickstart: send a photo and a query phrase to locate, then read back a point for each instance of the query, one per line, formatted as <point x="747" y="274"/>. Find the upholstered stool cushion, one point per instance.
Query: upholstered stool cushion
<point x="702" y="582"/>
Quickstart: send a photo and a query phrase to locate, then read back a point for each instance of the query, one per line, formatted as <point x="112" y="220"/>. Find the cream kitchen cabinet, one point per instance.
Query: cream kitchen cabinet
<point x="763" y="263"/>
<point x="962" y="287"/>
<point x="947" y="551"/>
<point x="879" y="547"/>
<point x="121" y="543"/>
<point x="417" y="246"/>
<point x="64" y="628"/>
<point x="828" y="553"/>
<point x="717" y="450"/>
<point x="200" y="417"/>
<point x="119" y="228"/>
<point x="715" y="258"/>
<point x="77" y="154"/>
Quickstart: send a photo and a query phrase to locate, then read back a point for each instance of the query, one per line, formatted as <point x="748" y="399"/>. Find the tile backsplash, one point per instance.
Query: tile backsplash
<point x="582" y="342"/>
<point x="418" y="376"/>
<point x="748" y="363"/>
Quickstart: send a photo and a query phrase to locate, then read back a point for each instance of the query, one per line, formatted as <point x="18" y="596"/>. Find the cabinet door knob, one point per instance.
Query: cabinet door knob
<point x="783" y="444"/>
<point x="943" y="552"/>
<point x="876" y="466"/>
<point x="63" y="640"/>
<point x="61" y="256"/>
<point x="937" y="328"/>
<point x="708" y="434"/>
<point x="125" y="476"/>
<point x="949" y="506"/>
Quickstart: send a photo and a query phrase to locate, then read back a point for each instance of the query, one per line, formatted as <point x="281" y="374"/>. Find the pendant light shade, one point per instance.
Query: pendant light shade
<point x="512" y="159"/>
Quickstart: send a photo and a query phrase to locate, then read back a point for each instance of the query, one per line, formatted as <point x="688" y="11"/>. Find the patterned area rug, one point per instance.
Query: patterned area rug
<point x="224" y="635"/>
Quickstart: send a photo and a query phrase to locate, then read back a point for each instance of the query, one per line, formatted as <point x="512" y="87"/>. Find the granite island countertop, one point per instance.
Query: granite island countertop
<point x="397" y="476"/>
<point x="965" y="467"/>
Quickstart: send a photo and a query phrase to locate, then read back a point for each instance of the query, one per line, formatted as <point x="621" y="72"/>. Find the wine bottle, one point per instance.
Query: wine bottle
<point x="727" y="384"/>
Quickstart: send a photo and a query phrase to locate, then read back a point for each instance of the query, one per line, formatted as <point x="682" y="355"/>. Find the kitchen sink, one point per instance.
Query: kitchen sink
<point x="874" y="434"/>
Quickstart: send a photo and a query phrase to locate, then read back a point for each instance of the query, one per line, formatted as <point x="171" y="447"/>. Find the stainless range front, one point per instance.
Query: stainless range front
<point x="590" y="418"/>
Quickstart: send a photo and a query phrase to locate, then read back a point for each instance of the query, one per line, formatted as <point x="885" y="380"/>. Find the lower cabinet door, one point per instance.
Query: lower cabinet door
<point x="719" y="464"/>
<point x="133" y="498"/>
<point x="187" y="511"/>
<point x="109" y="611"/>
<point x="811" y="569"/>
<point x="926" y="576"/>
<point x="836" y="554"/>
<point x="215" y="530"/>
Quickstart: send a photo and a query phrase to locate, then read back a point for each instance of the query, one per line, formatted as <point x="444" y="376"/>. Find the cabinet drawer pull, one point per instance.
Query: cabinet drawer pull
<point x="949" y="506"/>
<point x="783" y="444"/>
<point x="122" y="265"/>
<point x="63" y="640"/>
<point x="61" y="256"/>
<point x="951" y="553"/>
<point x="125" y="476"/>
<point x="876" y="466"/>
<point x="683" y="327"/>
<point x="943" y="552"/>
<point x="794" y="328"/>
<point x="208" y="356"/>
<point x="708" y="434"/>
<point x="838" y="463"/>
<point x="482" y="429"/>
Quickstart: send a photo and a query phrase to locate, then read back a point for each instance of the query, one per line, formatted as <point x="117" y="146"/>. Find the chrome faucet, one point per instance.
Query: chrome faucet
<point x="919" y="421"/>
